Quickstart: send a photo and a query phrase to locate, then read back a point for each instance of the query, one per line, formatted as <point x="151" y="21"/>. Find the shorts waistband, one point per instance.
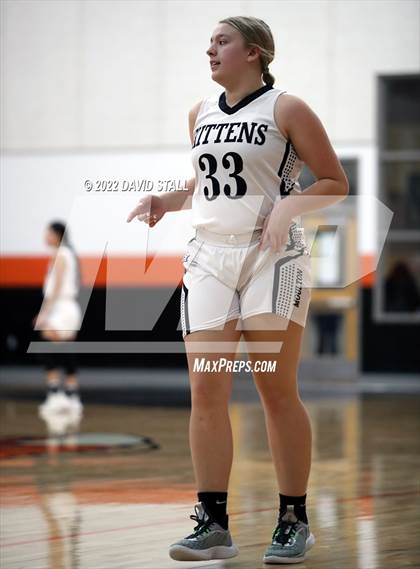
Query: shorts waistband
<point x="228" y="239"/>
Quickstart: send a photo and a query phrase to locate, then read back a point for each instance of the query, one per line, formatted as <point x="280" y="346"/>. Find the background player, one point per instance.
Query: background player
<point x="59" y="320"/>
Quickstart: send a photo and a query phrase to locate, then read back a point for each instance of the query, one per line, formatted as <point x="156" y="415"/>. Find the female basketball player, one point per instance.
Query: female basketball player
<point x="60" y="315"/>
<point x="247" y="270"/>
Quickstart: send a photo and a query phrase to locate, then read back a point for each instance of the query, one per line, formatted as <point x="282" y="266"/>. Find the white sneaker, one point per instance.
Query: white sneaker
<point x="56" y="411"/>
<point x="56" y="403"/>
<point x="57" y="425"/>
<point x="76" y="411"/>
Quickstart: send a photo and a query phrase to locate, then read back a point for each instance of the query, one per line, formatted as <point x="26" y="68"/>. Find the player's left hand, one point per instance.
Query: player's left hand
<point x="276" y="229"/>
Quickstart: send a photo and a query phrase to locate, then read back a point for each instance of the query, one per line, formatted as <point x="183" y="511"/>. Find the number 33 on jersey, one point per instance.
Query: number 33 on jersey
<point x="242" y="163"/>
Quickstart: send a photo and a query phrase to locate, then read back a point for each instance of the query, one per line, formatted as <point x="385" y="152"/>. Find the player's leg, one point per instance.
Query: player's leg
<point x="50" y="364"/>
<point x="67" y="402"/>
<point x="69" y="362"/>
<point x="210" y="394"/>
<point x="52" y="372"/>
<point x="287" y="421"/>
<point x="211" y="444"/>
<point x="63" y="324"/>
<point x="53" y="397"/>
<point x="288" y="429"/>
<point x="274" y="306"/>
<point x="52" y="361"/>
<point x="72" y="391"/>
<point x="209" y="316"/>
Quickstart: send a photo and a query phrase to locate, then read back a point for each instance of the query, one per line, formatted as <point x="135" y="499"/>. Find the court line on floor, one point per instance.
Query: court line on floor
<point x="258" y="510"/>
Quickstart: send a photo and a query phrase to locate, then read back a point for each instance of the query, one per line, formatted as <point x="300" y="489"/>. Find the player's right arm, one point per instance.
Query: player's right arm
<point x="152" y="208"/>
<point x="174" y="201"/>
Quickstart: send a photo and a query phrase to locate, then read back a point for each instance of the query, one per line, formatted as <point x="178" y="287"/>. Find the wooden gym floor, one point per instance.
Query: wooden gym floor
<point x="121" y="508"/>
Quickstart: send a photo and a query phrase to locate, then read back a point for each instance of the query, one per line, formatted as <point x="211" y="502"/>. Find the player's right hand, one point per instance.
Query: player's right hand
<point x="150" y="209"/>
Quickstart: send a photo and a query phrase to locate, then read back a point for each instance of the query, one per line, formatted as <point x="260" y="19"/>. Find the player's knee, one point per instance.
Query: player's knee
<point x="206" y="395"/>
<point x="276" y="398"/>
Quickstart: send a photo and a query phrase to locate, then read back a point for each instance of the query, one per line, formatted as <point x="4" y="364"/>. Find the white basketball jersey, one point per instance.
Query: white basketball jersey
<point x="69" y="288"/>
<point x="242" y="163"/>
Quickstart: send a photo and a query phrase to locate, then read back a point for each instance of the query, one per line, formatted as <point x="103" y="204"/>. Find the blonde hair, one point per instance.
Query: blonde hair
<point x="256" y="33"/>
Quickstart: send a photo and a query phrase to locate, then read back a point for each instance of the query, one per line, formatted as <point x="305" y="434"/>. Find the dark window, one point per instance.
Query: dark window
<point x="350" y="168"/>
<point x="400" y="113"/>
<point x="398" y="285"/>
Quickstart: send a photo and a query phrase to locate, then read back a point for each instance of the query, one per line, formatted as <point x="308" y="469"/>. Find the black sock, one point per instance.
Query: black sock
<point x="71" y="388"/>
<point x="215" y="510"/>
<point x="299" y="506"/>
<point x="53" y="385"/>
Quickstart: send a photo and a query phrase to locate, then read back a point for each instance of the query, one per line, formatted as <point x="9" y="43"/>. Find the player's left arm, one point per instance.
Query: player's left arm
<point x="298" y="122"/>
<point x="312" y="145"/>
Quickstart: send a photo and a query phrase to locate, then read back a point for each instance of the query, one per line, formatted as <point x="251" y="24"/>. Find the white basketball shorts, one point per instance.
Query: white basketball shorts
<point x="65" y="318"/>
<point x="227" y="277"/>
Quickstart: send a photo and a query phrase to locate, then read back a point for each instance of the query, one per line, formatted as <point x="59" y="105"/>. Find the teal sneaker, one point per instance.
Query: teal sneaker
<point x="208" y="541"/>
<point x="290" y="541"/>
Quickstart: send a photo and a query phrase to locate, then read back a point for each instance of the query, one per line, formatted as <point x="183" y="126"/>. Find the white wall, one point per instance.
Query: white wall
<point x="103" y="79"/>
<point x="112" y="74"/>
<point x="44" y="187"/>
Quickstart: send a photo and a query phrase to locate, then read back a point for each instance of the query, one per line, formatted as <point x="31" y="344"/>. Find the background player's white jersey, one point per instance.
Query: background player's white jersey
<point x="242" y="163"/>
<point x="69" y="288"/>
